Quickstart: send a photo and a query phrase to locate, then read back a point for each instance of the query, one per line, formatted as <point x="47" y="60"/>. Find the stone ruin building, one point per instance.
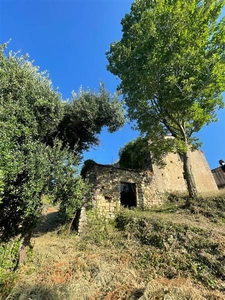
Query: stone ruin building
<point x="113" y="186"/>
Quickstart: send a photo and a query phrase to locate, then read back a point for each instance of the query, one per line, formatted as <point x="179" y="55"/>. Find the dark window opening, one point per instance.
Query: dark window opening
<point x="128" y="197"/>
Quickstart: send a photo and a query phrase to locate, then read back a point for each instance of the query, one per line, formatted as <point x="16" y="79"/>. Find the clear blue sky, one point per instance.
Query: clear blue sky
<point x="69" y="38"/>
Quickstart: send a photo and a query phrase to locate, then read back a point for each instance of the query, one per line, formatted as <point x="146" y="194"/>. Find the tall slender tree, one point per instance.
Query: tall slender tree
<point x="171" y="62"/>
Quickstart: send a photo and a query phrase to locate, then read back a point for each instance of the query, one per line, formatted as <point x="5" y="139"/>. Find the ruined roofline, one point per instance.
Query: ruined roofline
<point x="120" y="168"/>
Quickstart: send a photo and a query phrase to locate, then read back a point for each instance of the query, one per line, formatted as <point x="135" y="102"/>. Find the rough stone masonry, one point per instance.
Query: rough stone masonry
<point x="113" y="186"/>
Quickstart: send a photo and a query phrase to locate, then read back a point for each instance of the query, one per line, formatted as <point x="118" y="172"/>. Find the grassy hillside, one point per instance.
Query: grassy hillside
<point x="171" y="252"/>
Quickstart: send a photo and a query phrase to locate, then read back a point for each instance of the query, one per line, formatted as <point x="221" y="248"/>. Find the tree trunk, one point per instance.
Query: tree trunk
<point x="75" y="220"/>
<point x="189" y="176"/>
<point x="24" y="246"/>
<point x="25" y="241"/>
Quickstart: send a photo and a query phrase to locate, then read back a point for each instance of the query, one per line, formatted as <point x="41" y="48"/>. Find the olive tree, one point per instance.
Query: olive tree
<point x="30" y="110"/>
<point x="42" y="138"/>
<point x="85" y="115"/>
<point x="171" y="62"/>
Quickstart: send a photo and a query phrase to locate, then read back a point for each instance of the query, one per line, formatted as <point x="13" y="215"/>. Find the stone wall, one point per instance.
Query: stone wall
<point x="203" y="176"/>
<point x="107" y="181"/>
<point x="171" y="179"/>
<point x="150" y="187"/>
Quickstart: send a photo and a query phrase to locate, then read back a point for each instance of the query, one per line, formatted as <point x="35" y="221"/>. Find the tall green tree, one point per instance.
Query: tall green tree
<point x="41" y="140"/>
<point x="30" y="110"/>
<point x="171" y="62"/>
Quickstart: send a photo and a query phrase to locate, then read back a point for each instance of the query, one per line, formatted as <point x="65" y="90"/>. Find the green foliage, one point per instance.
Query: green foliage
<point x="30" y="112"/>
<point x="28" y="100"/>
<point x="1" y="185"/>
<point x="171" y="62"/>
<point x="71" y="196"/>
<point x="41" y="137"/>
<point x="100" y="231"/>
<point x="29" y="176"/>
<point x="86" y="114"/>
<point x="8" y="262"/>
<point x="135" y="155"/>
<point x="88" y="165"/>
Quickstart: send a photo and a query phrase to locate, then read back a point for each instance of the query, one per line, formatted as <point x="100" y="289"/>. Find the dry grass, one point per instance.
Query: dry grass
<point x="178" y="289"/>
<point x="170" y="254"/>
<point x="77" y="274"/>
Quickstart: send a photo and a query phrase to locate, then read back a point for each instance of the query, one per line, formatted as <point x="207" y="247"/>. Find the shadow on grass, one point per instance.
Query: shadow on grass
<point x="170" y="209"/>
<point x="36" y="292"/>
<point x="136" y="294"/>
<point x="48" y="222"/>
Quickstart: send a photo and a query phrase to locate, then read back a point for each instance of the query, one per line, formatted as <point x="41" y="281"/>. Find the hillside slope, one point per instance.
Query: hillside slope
<point x="172" y="252"/>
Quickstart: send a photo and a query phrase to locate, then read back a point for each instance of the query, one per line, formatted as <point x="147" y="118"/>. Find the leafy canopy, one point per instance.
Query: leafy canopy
<point x="28" y="99"/>
<point x="171" y="62"/>
<point x="42" y="138"/>
<point x="30" y="110"/>
<point x="135" y="155"/>
<point x="85" y="115"/>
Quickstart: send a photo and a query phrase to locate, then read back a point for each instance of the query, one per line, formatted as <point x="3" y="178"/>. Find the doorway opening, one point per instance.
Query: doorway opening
<point x="128" y="196"/>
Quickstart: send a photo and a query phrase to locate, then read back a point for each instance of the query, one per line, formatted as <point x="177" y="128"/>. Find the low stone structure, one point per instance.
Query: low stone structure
<point x="114" y="186"/>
